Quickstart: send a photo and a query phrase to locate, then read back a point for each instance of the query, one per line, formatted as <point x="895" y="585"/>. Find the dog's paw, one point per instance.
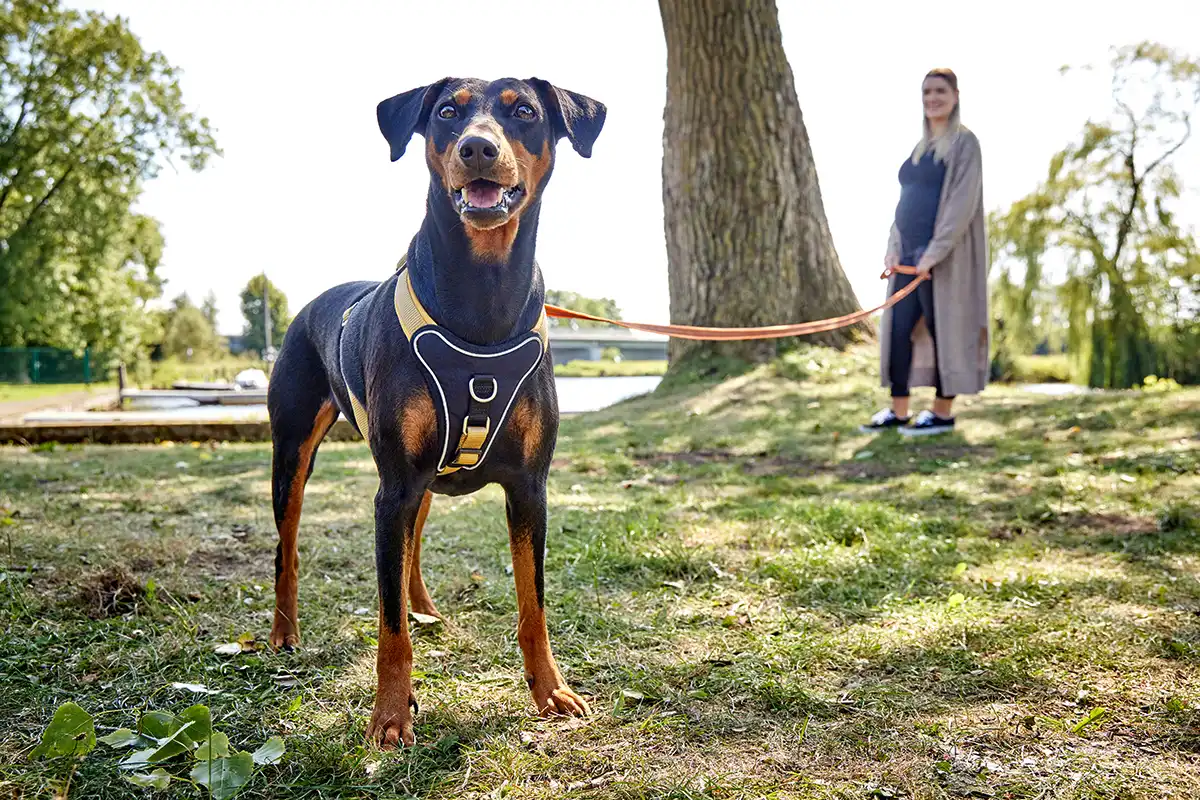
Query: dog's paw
<point x="425" y="606"/>
<point x="559" y="700"/>
<point x="389" y="728"/>
<point x="284" y="636"/>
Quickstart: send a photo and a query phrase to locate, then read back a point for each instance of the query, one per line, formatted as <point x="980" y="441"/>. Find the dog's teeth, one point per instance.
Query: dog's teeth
<point x="463" y="193"/>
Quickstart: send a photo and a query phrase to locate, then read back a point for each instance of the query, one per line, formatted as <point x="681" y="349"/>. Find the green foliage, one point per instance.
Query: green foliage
<point x="70" y="733"/>
<point x="598" y="369"/>
<point x="252" y="312"/>
<point x="209" y="309"/>
<point x="189" y="333"/>
<point x="1128" y="299"/>
<point x="163" y="740"/>
<point x="222" y="367"/>
<point x="86" y="117"/>
<point x="597" y="307"/>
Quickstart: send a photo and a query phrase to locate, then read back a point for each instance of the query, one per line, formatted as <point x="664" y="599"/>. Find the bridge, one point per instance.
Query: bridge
<point x="571" y="342"/>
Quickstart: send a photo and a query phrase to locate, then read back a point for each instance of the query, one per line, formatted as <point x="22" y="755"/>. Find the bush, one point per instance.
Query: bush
<point x="1041" y="369"/>
<point x="162" y="374"/>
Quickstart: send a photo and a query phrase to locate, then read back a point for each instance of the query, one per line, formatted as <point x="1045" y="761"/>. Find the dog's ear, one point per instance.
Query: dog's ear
<point x="572" y="115"/>
<point x="407" y="113"/>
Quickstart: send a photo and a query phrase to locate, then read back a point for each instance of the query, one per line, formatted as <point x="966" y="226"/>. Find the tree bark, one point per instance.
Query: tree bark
<point x="748" y="243"/>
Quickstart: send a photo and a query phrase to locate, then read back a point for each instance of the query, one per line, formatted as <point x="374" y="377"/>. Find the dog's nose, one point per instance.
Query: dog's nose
<point x="478" y="152"/>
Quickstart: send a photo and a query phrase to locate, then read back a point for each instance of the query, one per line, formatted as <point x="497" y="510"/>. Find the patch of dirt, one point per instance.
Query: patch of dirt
<point x="1110" y="524"/>
<point x="225" y="562"/>
<point x="111" y="593"/>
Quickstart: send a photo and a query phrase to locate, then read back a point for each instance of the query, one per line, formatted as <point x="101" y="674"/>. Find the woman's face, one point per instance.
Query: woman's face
<point x="938" y="97"/>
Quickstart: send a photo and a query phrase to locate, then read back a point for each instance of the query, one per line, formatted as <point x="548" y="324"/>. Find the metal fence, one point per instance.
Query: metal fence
<point x="46" y="365"/>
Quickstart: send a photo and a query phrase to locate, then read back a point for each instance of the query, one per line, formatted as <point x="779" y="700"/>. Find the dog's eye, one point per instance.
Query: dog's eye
<point x="448" y="111"/>
<point x="525" y="111"/>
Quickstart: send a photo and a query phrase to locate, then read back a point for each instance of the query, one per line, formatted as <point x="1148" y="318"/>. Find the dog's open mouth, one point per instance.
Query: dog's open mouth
<point x="487" y="199"/>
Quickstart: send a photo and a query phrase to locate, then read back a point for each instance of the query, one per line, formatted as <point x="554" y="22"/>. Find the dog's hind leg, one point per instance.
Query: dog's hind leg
<point x="302" y="412"/>
<point x="418" y="595"/>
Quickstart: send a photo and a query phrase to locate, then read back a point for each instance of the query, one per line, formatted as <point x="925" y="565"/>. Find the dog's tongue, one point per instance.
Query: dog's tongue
<point x="483" y="195"/>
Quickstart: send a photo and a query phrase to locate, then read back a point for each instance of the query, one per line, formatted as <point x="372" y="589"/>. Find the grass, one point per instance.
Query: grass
<point x="760" y="601"/>
<point x="19" y="392"/>
<point x="597" y="369"/>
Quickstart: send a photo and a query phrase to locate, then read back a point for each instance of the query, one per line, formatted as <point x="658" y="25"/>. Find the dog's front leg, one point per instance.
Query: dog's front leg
<point x="526" y="509"/>
<point x="396" y="508"/>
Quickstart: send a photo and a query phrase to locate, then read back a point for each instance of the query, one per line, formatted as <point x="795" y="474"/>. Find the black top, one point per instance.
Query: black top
<point x="916" y="213"/>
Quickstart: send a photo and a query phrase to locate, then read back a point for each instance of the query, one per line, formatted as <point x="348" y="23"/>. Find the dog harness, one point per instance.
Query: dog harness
<point x="473" y="387"/>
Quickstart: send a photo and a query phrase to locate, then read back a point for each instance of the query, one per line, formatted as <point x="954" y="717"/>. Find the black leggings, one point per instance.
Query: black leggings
<point x="904" y="319"/>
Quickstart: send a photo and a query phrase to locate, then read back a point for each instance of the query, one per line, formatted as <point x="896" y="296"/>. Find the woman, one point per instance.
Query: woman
<point x="938" y="335"/>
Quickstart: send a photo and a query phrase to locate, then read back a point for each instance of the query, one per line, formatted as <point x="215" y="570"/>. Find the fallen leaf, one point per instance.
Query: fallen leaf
<point x="198" y="688"/>
<point x="271" y="751"/>
<point x="159" y="779"/>
<point x="70" y="733"/>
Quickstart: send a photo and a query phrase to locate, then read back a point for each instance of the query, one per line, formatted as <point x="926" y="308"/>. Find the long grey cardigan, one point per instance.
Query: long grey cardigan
<point x="960" y="296"/>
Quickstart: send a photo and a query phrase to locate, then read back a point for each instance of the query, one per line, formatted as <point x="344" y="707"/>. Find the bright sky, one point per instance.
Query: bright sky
<point x="305" y="189"/>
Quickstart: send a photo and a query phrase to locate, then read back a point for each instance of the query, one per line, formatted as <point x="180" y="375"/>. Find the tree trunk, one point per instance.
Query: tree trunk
<point x="747" y="239"/>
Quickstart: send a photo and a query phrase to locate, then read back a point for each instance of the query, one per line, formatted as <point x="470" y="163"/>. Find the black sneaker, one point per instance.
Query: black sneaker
<point x="884" y="420"/>
<point x="929" y="424"/>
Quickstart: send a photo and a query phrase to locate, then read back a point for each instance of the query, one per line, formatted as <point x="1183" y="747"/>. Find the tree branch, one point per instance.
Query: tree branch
<point x="1187" y="123"/>
<point x="42" y="203"/>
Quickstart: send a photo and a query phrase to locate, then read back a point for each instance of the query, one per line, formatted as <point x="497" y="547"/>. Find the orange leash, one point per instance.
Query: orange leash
<point x="769" y="332"/>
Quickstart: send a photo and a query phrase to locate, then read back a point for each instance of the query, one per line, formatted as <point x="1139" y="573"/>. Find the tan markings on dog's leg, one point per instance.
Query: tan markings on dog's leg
<point x="391" y="720"/>
<point x="551" y="695"/>
<point x="418" y="595"/>
<point x="285" y="631"/>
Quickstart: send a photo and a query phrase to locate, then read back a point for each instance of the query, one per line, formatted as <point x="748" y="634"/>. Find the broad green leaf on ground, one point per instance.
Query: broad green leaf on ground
<point x="70" y="733"/>
<point x="159" y="779"/>
<point x="215" y="747"/>
<point x="165" y="748"/>
<point x="201" y="719"/>
<point x="224" y="776"/>
<point x="123" y="737"/>
<point x="270" y="752"/>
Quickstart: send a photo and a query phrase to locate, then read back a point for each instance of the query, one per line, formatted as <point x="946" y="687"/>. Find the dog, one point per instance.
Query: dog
<point x="444" y="369"/>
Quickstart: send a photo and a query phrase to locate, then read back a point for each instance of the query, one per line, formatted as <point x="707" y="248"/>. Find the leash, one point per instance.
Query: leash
<point x="769" y="332"/>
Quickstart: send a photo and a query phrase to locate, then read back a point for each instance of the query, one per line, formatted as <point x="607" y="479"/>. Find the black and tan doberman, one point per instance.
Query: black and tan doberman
<point x="443" y="368"/>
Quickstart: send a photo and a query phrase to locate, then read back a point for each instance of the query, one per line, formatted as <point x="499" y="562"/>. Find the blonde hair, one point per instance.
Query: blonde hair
<point x="941" y="144"/>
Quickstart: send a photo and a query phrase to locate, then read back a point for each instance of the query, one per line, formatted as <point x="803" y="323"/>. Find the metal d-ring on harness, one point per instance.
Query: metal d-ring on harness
<point x="474" y="384"/>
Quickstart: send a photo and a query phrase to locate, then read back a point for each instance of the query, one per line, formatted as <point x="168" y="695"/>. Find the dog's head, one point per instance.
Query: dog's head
<point x="491" y="145"/>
